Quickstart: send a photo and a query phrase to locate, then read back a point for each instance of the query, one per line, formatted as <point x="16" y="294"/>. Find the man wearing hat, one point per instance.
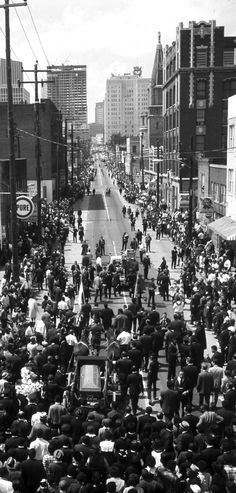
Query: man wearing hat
<point x="184" y="438"/>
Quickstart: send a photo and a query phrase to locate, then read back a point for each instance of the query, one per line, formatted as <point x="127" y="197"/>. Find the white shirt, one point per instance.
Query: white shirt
<point x="124" y="338"/>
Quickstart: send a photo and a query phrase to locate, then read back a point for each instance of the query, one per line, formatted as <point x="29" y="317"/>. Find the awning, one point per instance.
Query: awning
<point x="225" y="227"/>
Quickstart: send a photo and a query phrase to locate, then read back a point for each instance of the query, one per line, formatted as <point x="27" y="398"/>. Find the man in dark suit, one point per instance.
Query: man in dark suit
<point x="124" y="366"/>
<point x="169" y="401"/>
<point x="210" y="453"/>
<point x="205" y="385"/>
<point x="135" y="386"/>
<point x="146" y="418"/>
<point x="159" y="424"/>
<point x="32" y="472"/>
<point x="190" y="377"/>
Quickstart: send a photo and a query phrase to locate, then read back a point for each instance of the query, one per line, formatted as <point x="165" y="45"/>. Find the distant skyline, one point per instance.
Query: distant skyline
<point x="109" y="36"/>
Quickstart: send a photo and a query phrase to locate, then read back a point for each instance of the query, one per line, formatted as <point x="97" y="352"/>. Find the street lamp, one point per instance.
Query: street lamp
<point x="141" y="161"/>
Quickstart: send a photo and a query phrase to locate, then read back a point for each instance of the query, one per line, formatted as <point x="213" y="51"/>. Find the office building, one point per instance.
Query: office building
<point x="199" y="76"/>
<point x="99" y="113"/>
<point x="67" y="89"/>
<point x="126" y="99"/>
<point x="19" y="93"/>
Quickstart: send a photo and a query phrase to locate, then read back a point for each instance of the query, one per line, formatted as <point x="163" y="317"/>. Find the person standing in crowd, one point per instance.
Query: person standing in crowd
<point x="152" y="377"/>
<point x="135" y="387"/>
<point x="205" y="385"/>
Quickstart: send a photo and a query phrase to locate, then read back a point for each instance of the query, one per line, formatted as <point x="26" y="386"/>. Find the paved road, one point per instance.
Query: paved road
<point x="102" y="216"/>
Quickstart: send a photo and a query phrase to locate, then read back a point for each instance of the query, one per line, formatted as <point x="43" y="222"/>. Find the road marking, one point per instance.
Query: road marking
<point x="105" y="202"/>
<point x="114" y="246"/>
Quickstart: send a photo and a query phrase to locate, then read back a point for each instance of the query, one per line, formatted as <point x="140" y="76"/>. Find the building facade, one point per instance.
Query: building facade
<point x="19" y="93"/>
<point x="231" y="160"/>
<point x="126" y="99"/>
<point x="51" y="145"/>
<point x="67" y="89"/>
<point x="99" y="113"/>
<point x="199" y="76"/>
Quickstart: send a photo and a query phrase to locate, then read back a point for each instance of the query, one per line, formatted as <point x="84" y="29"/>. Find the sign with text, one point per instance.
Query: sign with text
<point x="24" y="207"/>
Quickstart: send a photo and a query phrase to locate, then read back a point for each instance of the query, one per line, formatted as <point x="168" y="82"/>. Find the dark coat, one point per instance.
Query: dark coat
<point x="205" y="383"/>
<point x="32" y="472"/>
<point x="190" y="375"/>
<point x="169" y="401"/>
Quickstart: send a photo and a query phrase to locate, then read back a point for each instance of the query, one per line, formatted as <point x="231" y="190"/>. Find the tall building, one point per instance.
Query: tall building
<point x="199" y="76"/>
<point x="126" y="99"/>
<point x="99" y="113"/>
<point x="19" y="93"/>
<point x="67" y="89"/>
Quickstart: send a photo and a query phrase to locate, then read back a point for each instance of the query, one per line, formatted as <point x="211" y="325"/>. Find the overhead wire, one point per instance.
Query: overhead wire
<point x="20" y="21"/>
<point x="14" y="53"/>
<point x="37" y="33"/>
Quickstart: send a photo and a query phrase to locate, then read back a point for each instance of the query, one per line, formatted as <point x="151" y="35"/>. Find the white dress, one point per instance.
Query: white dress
<point x="33" y="308"/>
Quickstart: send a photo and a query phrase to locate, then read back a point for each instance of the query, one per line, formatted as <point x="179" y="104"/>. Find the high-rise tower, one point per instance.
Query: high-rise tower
<point x="19" y="93"/>
<point x="68" y="91"/>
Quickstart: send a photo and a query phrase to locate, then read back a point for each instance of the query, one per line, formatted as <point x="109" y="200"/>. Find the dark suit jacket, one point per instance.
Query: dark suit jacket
<point x="205" y="383"/>
<point x="169" y="401"/>
<point x="143" y="420"/>
<point x="190" y="375"/>
<point x="32" y="473"/>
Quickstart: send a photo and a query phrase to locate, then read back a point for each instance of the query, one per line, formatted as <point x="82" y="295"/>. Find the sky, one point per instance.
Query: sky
<point x="109" y="36"/>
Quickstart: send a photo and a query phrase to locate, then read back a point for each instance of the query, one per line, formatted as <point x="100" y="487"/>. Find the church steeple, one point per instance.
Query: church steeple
<point x="157" y="71"/>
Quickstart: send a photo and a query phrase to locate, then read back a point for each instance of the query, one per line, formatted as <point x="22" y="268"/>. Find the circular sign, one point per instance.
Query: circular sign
<point x="24" y="207"/>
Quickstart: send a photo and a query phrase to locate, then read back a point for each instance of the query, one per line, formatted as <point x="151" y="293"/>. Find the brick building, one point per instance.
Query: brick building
<point x="199" y="76"/>
<point x="52" y="153"/>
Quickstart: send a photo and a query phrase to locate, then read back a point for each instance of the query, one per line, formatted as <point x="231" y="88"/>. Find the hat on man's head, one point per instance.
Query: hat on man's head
<point x="58" y="454"/>
<point x="10" y="463"/>
<point x="184" y="425"/>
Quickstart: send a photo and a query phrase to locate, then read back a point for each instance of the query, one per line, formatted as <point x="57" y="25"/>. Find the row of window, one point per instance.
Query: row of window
<point x="231" y="136"/>
<point x="218" y="191"/>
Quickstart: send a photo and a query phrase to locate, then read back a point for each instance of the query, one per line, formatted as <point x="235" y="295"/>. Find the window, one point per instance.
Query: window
<point x="201" y="89"/>
<point x="231" y="136"/>
<point x="203" y="182"/>
<point x="201" y="56"/>
<point x="200" y="142"/>
<point x="200" y="116"/>
<point x="228" y="58"/>
<point x="231" y="181"/>
<point x="222" y="197"/>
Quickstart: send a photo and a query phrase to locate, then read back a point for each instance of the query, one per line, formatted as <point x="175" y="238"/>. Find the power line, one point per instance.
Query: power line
<point x="40" y="42"/>
<point x="45" y="140"/>
<point x="29" y="43"/>
<point x="14" y="53"/>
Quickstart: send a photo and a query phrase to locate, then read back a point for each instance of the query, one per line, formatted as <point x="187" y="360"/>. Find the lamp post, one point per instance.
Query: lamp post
<point x="190" y="219"/>
<point x="158" y="176"/>
<point x="141" y="161"/>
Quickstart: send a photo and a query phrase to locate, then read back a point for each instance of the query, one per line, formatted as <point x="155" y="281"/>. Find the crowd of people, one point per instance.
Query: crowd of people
<point x="55" y="441"/>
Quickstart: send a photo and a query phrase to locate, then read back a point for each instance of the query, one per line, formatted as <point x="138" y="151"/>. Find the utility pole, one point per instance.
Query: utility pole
<point x="11" y="130"/>
<point x="72" y="155"/>
<point x="141" y="161"/>
<point x="37" y="145"/>
<point x="158" y="176"/>
<point x="190" y="219"/>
